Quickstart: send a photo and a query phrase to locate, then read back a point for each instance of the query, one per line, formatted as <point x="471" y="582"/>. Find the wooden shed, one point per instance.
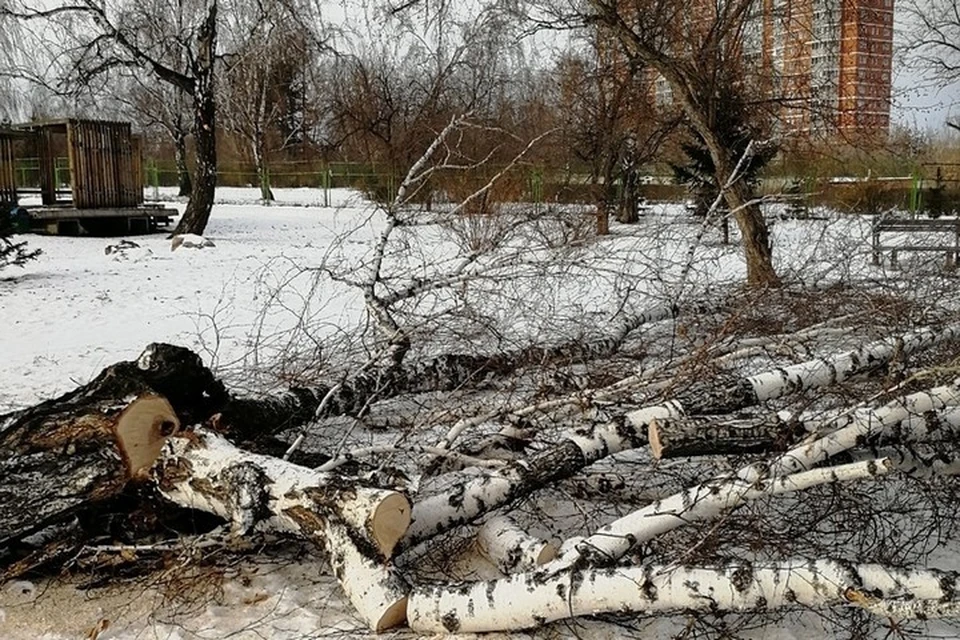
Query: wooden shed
<point x="104" y="193"/>
<point x="8" y="172"/>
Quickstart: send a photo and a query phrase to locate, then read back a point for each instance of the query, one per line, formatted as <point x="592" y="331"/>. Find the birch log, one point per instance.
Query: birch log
<point x="512" y="549"/>
<point x="532" y="599"/>
<point x="249" y="418"/>
<point x="580" y="448"/>
<point x="359" y="527"/>
<point x="712" y="498"/>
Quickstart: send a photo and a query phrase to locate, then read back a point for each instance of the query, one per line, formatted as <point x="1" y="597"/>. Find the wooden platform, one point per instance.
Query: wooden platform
<point x="62" y="219"/>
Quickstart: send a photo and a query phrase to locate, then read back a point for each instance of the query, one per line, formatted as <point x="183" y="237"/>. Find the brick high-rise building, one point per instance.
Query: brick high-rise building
<point x="829" y="61"/>
<point x="834" y="61"/>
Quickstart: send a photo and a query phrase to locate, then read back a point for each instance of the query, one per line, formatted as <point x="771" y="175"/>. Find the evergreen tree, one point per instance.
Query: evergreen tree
<point x="12" y="253"/>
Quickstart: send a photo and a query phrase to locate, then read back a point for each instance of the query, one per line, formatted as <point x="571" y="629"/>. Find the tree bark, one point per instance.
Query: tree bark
<point x="532" y="599"/>
<point x="60" y="462"/>
<point x="358" y="527"/>
<point x="197" y="214"/>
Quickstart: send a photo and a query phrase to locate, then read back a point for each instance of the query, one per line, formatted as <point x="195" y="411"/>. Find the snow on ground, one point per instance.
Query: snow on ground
<point x="249" y="300"/>
<point x="244" y="301"/>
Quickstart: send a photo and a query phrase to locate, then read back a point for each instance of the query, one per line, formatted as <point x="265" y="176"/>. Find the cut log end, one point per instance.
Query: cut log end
<point x="547" y="554"/>
<point x="653" y="436"/>
<point x="142" y="429"/>
<point x="389" y="522"/>
<point x="394" y="616"/>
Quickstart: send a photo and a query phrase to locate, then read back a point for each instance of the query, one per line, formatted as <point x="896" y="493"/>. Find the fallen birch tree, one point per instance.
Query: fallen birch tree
<point x="582" y="447"/>
<point x="532" y="599"/>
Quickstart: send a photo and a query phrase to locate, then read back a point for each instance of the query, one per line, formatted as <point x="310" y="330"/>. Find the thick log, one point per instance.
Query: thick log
<point x="701" y="436"/>
<point x="512" y="549"/>
<point x="532" y="599"/>
<point x="67" y="461"/>
<point x="358" y="526"/>
<point x="68" y="456"/>
<point x="708" y="436"/>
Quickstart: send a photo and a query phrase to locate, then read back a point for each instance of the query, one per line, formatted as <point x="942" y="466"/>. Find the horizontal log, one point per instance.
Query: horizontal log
<point x="512" y="549"/>
<point x="702" y="435"/>
<point x="531" y="599"/>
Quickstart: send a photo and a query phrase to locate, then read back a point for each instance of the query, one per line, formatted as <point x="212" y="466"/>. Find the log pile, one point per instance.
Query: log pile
<point x="162" y="430"/>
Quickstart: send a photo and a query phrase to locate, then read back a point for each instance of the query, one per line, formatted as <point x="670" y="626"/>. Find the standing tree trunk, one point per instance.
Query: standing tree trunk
<point x="266" y="193"/>
<point x="195" y="218"/>
<point x="180" y="155"/>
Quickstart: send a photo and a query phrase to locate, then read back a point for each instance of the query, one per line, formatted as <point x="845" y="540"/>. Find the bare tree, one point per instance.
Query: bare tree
<point x="268" y="54"/>
<point x="96" y="38"/>
<point x="611" y="124"/>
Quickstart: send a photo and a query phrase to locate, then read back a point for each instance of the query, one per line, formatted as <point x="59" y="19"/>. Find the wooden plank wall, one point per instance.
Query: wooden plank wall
<point x="104" y="166"/>
<point x="8" y="176"/>
<point x="48" y="186"/>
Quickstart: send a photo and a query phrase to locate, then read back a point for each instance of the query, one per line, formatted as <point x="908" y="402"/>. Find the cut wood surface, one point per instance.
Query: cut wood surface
<point x="357" y="526"/>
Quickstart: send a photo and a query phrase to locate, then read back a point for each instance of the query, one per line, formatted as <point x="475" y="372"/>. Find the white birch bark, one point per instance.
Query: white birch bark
<point x="358" y="526"/>
<point x="712" y="498"/>
<point x="532" y="599"/>
<point x="580" y="448"/>
<point x="822" y="372"/>
<point x="512" y="549"/>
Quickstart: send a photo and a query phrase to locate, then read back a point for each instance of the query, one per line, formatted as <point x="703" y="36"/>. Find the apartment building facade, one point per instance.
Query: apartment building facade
<point x="829" y="61"/>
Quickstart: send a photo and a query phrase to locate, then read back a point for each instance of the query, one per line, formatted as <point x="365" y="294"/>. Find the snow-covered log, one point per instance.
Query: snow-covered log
<point x="532" y="599"/>
<point x="512" y="549"/>
<point x="357" y="526"/>
<point x="582" y="447"/>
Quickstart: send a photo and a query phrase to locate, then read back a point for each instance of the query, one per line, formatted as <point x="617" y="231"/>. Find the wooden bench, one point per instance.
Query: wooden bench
<point x="917" y="226"/>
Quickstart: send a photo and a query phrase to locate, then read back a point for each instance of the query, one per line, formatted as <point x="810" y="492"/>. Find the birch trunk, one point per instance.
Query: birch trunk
<point x="481" y="494"/>
<point x="357" y="526"/>
<point x="532" y="599"/>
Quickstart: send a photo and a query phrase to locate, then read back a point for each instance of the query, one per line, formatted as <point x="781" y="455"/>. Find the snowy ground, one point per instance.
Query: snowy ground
<point x="255" y="302"/>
